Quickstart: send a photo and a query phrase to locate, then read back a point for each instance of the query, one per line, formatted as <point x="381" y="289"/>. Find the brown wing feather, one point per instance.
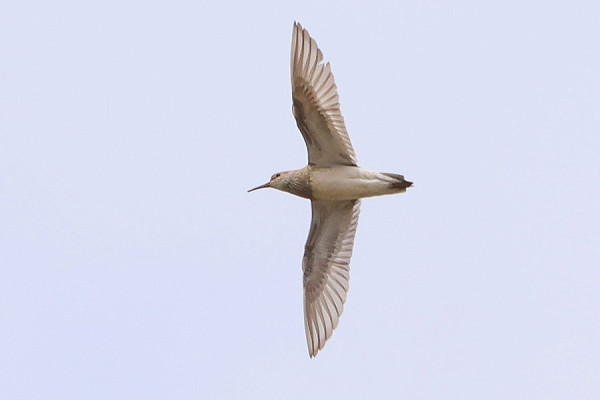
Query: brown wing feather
<point x="316" y="104"/>
<point x="326" y="266"/>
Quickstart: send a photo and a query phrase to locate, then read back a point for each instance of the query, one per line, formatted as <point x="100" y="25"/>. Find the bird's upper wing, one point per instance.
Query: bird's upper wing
<point x="316" y="104"/>
<point x="326" y="266"/>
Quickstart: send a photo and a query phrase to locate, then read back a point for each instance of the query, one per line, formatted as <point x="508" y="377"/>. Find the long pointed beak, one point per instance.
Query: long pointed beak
<point x="266" y="185"/>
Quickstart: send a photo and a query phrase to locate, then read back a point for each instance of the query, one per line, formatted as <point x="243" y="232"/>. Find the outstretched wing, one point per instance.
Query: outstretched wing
<point x="316" y="104"/>
<point x="326" y="266"/>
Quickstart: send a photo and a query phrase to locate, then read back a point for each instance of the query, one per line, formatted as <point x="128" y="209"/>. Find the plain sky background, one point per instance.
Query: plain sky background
<point x="134" y="265"/>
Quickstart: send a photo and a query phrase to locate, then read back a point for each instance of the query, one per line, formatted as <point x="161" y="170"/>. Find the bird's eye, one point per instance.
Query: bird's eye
<point x="276" y="175"/>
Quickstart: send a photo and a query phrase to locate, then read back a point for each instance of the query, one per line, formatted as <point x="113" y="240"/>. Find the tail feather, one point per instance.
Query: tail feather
<point x="399" y="181"/>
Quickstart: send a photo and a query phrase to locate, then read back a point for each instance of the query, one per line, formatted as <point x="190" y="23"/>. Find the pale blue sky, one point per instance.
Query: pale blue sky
<point x="133" y="264"/>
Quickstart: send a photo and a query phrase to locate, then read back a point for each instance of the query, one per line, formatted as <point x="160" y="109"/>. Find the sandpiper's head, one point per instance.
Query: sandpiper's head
<point x="278" y="181"/>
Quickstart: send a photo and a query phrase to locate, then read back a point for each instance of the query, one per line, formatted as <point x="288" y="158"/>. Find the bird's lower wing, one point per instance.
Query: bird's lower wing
<point x="326" y="266"/>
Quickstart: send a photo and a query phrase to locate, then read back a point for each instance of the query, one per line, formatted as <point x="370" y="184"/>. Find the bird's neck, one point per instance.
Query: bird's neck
<point x="298" y="183"/>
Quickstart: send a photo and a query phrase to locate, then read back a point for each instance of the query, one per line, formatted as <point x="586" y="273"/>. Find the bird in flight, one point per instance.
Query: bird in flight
<point x="333" y="182"/>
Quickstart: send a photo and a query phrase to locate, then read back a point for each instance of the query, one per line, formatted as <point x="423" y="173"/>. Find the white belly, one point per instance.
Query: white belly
<point x="347" y="183"/>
